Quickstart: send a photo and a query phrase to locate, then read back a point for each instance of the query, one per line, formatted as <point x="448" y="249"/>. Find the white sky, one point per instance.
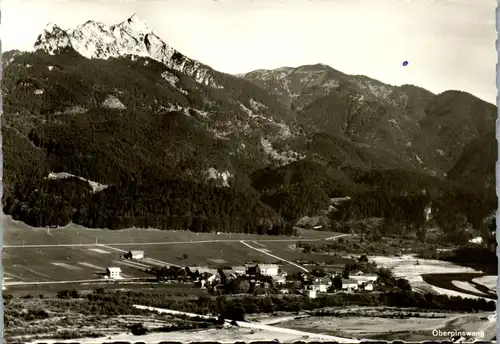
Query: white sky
<point x="450" y="44"/>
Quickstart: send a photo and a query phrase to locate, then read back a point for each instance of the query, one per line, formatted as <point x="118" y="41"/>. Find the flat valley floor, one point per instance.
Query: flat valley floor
<point x="40" y="262"/>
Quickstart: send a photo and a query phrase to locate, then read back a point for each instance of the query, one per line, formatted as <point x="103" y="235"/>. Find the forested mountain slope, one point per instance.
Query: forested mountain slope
<point x="175" y="144"/>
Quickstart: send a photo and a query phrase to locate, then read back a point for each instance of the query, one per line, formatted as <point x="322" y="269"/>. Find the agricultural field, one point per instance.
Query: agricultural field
<point x="34" y="264"/>
<point x="75" y="253"/>
<point x="288" y="251"/>
<point x="213" y="254"/>
<point x="18" y="234"/>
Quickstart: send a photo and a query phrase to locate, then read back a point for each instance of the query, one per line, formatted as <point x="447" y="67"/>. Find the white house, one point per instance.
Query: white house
<point x="207" y="279"/>
<point x="136" y="254"/>
<point x="113" y="272"/>
<point x="361" y="278"/>
<point x="280" y="279"/>
<point x="321" y="285"/>
<point x="202" y="269"/>
<point x="269" y="269"/>
<point x="368" y="286"/>
<point x="349" y="284"/>
<point x="240" y="270"/>
<point x="311" y="293"/>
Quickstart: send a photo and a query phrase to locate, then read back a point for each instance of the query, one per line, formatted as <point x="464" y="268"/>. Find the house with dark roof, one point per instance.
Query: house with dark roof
<point x="349" y="284"/>
<point x="134" y="254"/>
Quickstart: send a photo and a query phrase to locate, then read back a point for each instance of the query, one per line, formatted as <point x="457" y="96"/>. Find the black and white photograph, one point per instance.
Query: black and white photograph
<point x="248" y="171"/>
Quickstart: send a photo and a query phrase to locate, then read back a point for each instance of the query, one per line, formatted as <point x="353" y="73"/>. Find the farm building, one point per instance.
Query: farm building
<point x="137" y="254"/>
<point x="240" y="270"/>
<point x="202" y="269"/>
<point x="361" y="278"/>
<point x="225" y="274"/>
<point x="113" y="272"/>
<point x="280" y="279"/>
<point x="349" y="284"/>
<point x="253" y="270"/>
<point x="269" y="269"/>
<point x="207" y="279"/>
<point x="321" y="284"/>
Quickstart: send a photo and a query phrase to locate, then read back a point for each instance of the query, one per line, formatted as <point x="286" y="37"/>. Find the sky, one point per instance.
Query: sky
<point x="449" y="44"/>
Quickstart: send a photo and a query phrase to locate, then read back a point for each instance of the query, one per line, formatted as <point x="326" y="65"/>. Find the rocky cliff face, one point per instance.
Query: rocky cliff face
<point x="95" y="40"/>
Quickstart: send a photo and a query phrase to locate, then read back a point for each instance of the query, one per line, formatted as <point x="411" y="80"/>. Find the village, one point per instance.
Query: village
<point x="255" y="278"/>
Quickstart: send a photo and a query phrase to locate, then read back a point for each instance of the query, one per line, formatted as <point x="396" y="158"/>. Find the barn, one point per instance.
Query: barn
<point x="113" y="272"/>
<point x="136" y="254"/>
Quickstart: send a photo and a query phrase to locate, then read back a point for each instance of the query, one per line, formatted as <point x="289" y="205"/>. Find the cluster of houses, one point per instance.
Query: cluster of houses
<point x="359" y="281"/>
<point x="210" y="276"/>
<point x="311" y="285"/>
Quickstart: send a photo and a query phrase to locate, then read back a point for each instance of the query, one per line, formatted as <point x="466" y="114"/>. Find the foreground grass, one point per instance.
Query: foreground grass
<point x="106" y="312"/>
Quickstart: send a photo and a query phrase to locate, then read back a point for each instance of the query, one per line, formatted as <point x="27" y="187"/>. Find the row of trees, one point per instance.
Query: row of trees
<point x="170" y="204"/>
<point x="236" y="308"/>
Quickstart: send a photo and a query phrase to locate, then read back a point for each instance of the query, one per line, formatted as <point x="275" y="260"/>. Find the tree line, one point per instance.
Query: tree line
<point x="169" y="204"/>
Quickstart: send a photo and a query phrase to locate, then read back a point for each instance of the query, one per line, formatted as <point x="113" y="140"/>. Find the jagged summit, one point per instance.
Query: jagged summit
<point x="134" y="24"/>
<point x="132" y="37"/>
<point x="134" y="18"/>
<point x="50" y="27"/>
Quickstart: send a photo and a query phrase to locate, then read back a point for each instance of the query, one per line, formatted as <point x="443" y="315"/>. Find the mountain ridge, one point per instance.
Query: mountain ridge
<point x="109" y="104"/>
<point x="131" y="37"/>
<point x="317" y="98"/>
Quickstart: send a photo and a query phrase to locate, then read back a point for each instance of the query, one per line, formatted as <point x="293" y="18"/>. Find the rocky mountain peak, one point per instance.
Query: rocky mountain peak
<point x="134" y="26"/>
<point x="132" y="37"/>
<point x="134" y="19"/>
<point x="51" y="27"/>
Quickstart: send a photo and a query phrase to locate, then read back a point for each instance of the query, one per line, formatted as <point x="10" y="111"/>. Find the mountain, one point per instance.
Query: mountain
<point x="408" y="126"/>
<point x="94" y="40"/>
<point x="172" y="143"/>
<point x="474" y="166"/>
